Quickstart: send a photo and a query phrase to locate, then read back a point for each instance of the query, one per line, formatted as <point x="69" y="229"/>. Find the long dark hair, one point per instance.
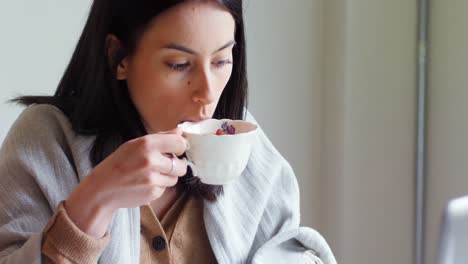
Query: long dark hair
<point x="98" y="104"/>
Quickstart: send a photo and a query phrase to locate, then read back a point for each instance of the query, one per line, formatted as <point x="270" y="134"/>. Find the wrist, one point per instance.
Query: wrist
<point x="87" y="212"/>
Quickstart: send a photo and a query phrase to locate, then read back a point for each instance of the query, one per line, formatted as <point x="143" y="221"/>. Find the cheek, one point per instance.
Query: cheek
<point x="144" y="90"/>
<point x="147" y="81"/>
<point x="223" y="78"/>
<point x="139" y="77"/>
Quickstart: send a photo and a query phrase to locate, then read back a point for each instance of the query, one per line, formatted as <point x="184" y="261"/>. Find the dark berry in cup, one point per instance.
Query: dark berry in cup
<point x="231" y="130"/>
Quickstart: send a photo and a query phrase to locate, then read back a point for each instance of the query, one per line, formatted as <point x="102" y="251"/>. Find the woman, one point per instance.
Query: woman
<point x="86" y="174"/>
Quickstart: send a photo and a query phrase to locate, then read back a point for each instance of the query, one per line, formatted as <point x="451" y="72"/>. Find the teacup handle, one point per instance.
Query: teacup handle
<point x="192" y="167"/>
<point x="190" y="163"/>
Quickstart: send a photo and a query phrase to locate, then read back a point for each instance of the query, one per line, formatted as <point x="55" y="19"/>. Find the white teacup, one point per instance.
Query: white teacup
<point x="218" y="159"/>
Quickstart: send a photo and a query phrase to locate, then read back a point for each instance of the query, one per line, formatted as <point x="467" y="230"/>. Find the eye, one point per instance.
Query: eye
<point x="178" y="66"/>
<point x="221" y="63"/>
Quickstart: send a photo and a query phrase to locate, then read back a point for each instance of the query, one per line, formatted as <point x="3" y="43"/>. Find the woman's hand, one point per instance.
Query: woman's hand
<point x="138" y="172"/>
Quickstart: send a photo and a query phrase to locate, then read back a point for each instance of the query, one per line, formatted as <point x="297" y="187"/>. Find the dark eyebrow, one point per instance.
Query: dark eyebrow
<point x="189" y="51"/>
<point x="229" y="44"/>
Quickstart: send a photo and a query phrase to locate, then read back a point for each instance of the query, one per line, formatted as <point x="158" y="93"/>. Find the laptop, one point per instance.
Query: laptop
<point x="453" y="237"/>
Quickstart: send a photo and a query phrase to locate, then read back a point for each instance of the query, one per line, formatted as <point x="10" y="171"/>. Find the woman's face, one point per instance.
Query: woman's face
<point x="181" y="65"/>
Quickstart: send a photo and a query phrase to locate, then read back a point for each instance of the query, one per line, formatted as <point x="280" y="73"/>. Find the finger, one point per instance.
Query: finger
<point x="170" y="143"/>
<point x="164" y="181"/>
<point x="153" y="178"/>
<point x="163" y="143"/>
<point x="175" y="131"/>
<point x="174" y="166"/>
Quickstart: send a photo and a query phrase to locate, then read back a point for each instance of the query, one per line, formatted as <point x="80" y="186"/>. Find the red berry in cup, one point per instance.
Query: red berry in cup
<point x="226" y="130"/>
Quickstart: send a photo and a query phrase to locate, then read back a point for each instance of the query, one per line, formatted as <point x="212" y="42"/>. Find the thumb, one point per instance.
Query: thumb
<point x="176" y="131"/>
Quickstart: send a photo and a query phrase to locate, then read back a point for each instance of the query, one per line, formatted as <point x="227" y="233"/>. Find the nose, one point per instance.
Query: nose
<point x="204" y="93"/>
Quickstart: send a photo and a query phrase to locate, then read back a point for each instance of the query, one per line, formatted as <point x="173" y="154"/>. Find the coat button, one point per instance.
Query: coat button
<point x="159" y="243"/>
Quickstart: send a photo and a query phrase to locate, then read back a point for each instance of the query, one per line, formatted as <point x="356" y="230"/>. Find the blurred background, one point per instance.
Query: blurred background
<point x="334" y="85"/>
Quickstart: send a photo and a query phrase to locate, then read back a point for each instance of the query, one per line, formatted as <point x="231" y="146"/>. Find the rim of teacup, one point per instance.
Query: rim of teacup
<point x="185" y="125"/>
